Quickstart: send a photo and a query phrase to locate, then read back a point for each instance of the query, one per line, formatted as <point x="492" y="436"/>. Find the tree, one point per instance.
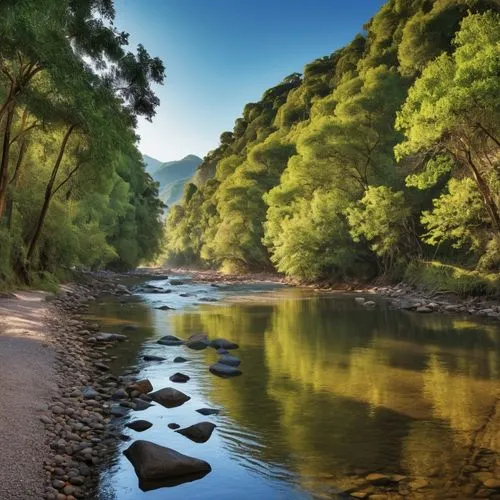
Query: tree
<point x="454" y="108"/>
<point x="382" y="217"/>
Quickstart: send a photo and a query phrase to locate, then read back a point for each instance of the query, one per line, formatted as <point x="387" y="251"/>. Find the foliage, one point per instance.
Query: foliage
<point x="73" y="189"/>
<point x="380" y="217"/>
<point x="443" y="277"/>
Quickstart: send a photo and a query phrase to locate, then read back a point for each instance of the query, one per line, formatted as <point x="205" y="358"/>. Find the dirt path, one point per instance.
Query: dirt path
<point x="26" y="382"/>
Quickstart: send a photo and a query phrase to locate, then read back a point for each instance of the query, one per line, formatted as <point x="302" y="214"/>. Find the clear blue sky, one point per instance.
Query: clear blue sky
<point x="221" y="54"/>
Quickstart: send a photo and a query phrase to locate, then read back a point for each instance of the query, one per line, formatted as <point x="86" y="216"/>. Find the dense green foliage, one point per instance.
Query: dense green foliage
<point x="384" y="152"/>
<point x="73" y="189"/>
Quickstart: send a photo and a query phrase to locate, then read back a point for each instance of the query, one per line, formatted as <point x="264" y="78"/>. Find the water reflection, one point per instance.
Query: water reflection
<point x="331" y="389"/>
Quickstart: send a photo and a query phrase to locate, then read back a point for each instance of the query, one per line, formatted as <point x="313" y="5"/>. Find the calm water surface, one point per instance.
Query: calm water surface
<point x="330" y="390"/>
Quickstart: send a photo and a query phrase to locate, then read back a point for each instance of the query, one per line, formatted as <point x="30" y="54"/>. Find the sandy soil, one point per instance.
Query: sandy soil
<point x="26" y="383"/>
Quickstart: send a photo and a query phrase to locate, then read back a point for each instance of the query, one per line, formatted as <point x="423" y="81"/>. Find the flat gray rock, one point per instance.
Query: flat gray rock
<point x="170" y="340"/>
<point x="208" y="411"/>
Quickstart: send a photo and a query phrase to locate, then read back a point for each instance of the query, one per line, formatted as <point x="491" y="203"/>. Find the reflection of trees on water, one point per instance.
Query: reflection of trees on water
<point x="330" y="386"/>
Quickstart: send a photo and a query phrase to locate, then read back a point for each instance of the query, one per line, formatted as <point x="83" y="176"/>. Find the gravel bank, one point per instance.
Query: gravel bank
<point x="27" y="375"/>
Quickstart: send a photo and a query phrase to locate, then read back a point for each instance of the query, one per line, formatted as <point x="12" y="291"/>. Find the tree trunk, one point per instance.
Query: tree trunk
<point x="15" y="181"/>
<point x="48" y="194"/>
<point x="484" y="189"/>
<point x="4" y="162"/>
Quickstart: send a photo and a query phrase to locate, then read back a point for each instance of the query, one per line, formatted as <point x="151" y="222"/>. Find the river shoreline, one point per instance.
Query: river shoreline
<point x="81" y="402"/>
<point x="401" y="296"/>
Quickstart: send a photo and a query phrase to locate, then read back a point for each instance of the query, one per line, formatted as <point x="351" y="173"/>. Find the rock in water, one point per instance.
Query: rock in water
<point x="157" y="466"/>
<point x="141" y="386"/>
<point x="198" y="336"/>
<point x="197" y="345"/>
<point x="179" y="377"/>
<point x="140" y="404"/>
<point x="170" y="340"/>
<point x="180" y="359"/>
<point x="151" y="357"/>
<point x="224" y="371"/>
<point x="199" y="433"/>
<point x="175" y="282"/>
<point x="229" y="360"/>
<point x="173" y="425"/>
<point x="139" y="425"/>
<point x="169" y="397"/>
<point x="165" y="308"/>
<point x="224" y="344"/>
<point x="208" y="411"/>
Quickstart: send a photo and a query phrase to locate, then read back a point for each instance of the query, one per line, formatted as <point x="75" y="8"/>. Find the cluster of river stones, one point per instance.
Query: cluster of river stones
<point x="407" y="297"/>
<point x="84" y="421"/>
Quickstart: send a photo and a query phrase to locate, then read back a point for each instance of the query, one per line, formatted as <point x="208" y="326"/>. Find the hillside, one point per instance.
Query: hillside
<point x="152" y="164"/>
<point x="363" y="163"/>
<point x="172" y="175"/>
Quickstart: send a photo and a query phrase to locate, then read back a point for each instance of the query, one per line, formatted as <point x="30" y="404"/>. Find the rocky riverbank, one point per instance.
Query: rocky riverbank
<point x="407" y="297"/>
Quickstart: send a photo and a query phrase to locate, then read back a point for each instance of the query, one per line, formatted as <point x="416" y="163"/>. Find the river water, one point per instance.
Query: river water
<point x="330" y="391"/>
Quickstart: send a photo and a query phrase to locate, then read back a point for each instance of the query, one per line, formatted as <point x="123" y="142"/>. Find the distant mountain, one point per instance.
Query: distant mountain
<point x="152" y="165"/>
<point x="172" y="175"/>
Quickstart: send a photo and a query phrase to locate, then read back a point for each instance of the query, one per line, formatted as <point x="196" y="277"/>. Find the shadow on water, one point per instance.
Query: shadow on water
<point x="330" y="390"/>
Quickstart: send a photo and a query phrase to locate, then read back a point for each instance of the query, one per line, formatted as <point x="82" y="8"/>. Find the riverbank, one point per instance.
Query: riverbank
<point x="56" y="394"/>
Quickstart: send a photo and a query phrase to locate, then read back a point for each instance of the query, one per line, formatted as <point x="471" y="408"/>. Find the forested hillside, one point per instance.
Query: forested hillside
<point x="73" y="188"/>
<point x="383" y="153"/>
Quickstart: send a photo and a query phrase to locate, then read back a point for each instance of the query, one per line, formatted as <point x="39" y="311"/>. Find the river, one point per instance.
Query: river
<point x="331" y="390"/>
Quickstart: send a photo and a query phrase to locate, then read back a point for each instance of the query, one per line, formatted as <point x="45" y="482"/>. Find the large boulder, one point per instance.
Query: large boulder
<point x="229" y="360"/>
<point x="157" y="466"/>
<point x="224" y="344"/>
<point x="169" y="397"/>
<point x="224" y="371"/>
<point x="199" y="433"/>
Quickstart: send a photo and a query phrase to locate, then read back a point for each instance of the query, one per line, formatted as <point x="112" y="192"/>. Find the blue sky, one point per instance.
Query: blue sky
<point x="221" y="54"/>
